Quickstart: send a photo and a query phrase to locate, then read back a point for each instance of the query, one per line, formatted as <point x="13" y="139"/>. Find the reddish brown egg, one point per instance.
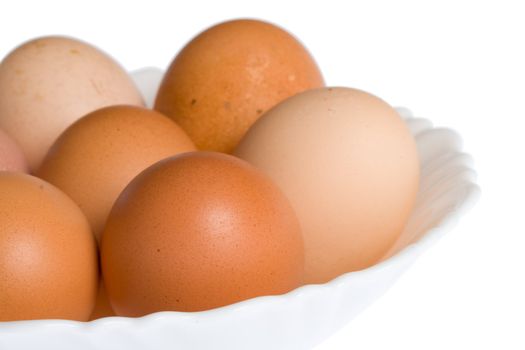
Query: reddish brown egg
<point x="96" y="157"/>
<point x="199" y="231"/>
<point x="48" y="256"/>
<point x="227" y="76"/>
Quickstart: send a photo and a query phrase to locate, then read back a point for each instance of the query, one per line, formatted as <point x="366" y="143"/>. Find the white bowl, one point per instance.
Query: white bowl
<point x="302" y="318"/>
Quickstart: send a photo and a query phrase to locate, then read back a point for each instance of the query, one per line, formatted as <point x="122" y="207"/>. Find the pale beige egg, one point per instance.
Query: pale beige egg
<point x="48" y="83"/>
<point x="348" y="164"/>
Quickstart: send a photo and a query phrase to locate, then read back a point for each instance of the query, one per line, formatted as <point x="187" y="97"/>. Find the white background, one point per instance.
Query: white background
<point x="458" y="63"/>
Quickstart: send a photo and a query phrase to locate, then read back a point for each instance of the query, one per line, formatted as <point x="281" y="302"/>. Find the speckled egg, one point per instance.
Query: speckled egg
<point x="229" y="75"/>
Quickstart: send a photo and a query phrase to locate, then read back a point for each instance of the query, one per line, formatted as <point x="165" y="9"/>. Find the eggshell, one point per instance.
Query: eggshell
<point x="226" y="77"/>
<point x="48" y="256"/>
<point x="96" y="157"/>
<point x="48" y="83"/>
<point x="11" y="156"/>
<point x="199" y="231"/>
<point x="349" y="166"/>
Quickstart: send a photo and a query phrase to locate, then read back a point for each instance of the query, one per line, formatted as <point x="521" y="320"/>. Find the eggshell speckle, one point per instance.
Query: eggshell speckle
<point x="349" y="166"/>
<point x="48" y="83"/>
<point x="48" y="257"/>
<point x="199" y="231"/>
<point x="226" y="77"/>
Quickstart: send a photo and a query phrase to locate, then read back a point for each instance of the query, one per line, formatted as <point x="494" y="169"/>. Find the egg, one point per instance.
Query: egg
<point x="48" y="256"/>
<point x="349" y="166"/>
<point x="225" y="78"/>
<point x="96" y="157"/>
<point x="198" y="231"/>
<point x="48" y="83"/>
<point x="11" y="156"/>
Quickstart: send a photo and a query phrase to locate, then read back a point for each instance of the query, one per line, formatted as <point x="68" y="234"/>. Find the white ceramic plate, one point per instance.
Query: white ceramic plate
<point x="302" y="318"/>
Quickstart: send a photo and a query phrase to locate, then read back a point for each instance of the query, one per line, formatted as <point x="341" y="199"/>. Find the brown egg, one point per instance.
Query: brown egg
<point x="11" y="156"/>
<point x="96" y="157"/>
<point x="48" y="83"/>
<point x="48" y="256"/>
<point x="349" y="166"/>
<point x="226" y="77"/>
<point x="199" y="231"/>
